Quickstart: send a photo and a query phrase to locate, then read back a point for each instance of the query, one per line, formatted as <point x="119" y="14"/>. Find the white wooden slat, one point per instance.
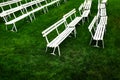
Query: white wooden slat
<point x="10" y="11"/>
<point x="92" y="23"/>
<point x="104" y="1"/>
<point x="9" y="2"/>
<point x="37" y="9"/>
<point x="74" y="22"/>
<point x="60" y="38"/>
<point x="101" y="6"/>
<point x="51" y="3"/>
<point x="103" y="32"/>
<point x="17" y="19"/>
<point x="99" y="32"/>
<point x="69" y="13"/>
<point x="103" y="20"/>
<point x="52" y="27"/>
<point x="80" y="7"/>
<point x="87" y="6"/>
<point x="86" y="13"/>
<point x="103" y="12"/>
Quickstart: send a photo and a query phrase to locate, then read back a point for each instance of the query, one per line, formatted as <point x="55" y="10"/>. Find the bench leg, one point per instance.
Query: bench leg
<point x="96" y="44"/>
<point x="75" y="32"/>
<point x="103" y="43"/>
<point x="59" y="50"/>
<point x="53" y="53"/>
<point x="46" y="49"/>
<point x="83" y="20"/>
<point x="30" y="18"/>
<point x="58" y="3"/>
<point x="88" y="19"/>
<point x="46" y="9"/>
<point x="90" y="41"/>
<point x="14" y="27"/>
<point x="34" y="15"/>
<point x="6" y="27"/>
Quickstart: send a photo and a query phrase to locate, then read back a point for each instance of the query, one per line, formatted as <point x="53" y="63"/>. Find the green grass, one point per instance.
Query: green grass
<point x="23" y="57"/>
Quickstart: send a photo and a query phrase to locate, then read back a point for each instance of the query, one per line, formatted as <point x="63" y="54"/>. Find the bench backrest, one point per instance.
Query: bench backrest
<point x="92" y="24"/>
<point x="69" y="15"/>
<point x="80" y="9"/>
<point x="9" y="3"/>
<point x="87" y="4"/>
<point x="53" y="27"/>
<point x="10" y="11"/>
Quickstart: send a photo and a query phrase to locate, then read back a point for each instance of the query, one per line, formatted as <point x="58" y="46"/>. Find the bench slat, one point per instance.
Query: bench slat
<point x="9" y="3"/>
<point x="74" y="22"/>
<point x="85" y="13"/>
<point x="60" y="38"/>
<point x="53" y="27"/>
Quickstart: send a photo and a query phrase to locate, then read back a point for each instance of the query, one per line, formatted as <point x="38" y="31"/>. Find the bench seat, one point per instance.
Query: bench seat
<point x="99" y="33"/>
<point x="74" y="22"/>
<point x="17" y="19"/>
<point x="55" y="42"/>
<point x="86" y="13"/>
<point x="103" y="20"/>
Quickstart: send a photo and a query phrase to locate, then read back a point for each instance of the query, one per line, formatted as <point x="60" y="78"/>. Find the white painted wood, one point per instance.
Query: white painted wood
<point x="103" y="12"/>
<point x="101" y="6"/>
<point x="60" y="38"/>
<point x="104" y="1"/>
<point x="99" y="30"/>
<point x="103" y="20"/>
<point x="9" y="2"/>
<point x="74" y="21"/>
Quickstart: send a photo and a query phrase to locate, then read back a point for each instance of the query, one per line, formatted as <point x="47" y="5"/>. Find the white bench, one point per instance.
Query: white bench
<point x="9" y="3"/>
<point x="60" y="38"/>
<point x="74" y="21"/>
<point x="86" y="6"/>
<point x="98" y="31"/>
<point x="99" y="34"/>
<point x="24" y="15"/>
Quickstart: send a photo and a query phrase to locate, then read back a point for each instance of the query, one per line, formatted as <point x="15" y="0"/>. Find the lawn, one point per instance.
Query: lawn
<point x="23" y="57"/>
